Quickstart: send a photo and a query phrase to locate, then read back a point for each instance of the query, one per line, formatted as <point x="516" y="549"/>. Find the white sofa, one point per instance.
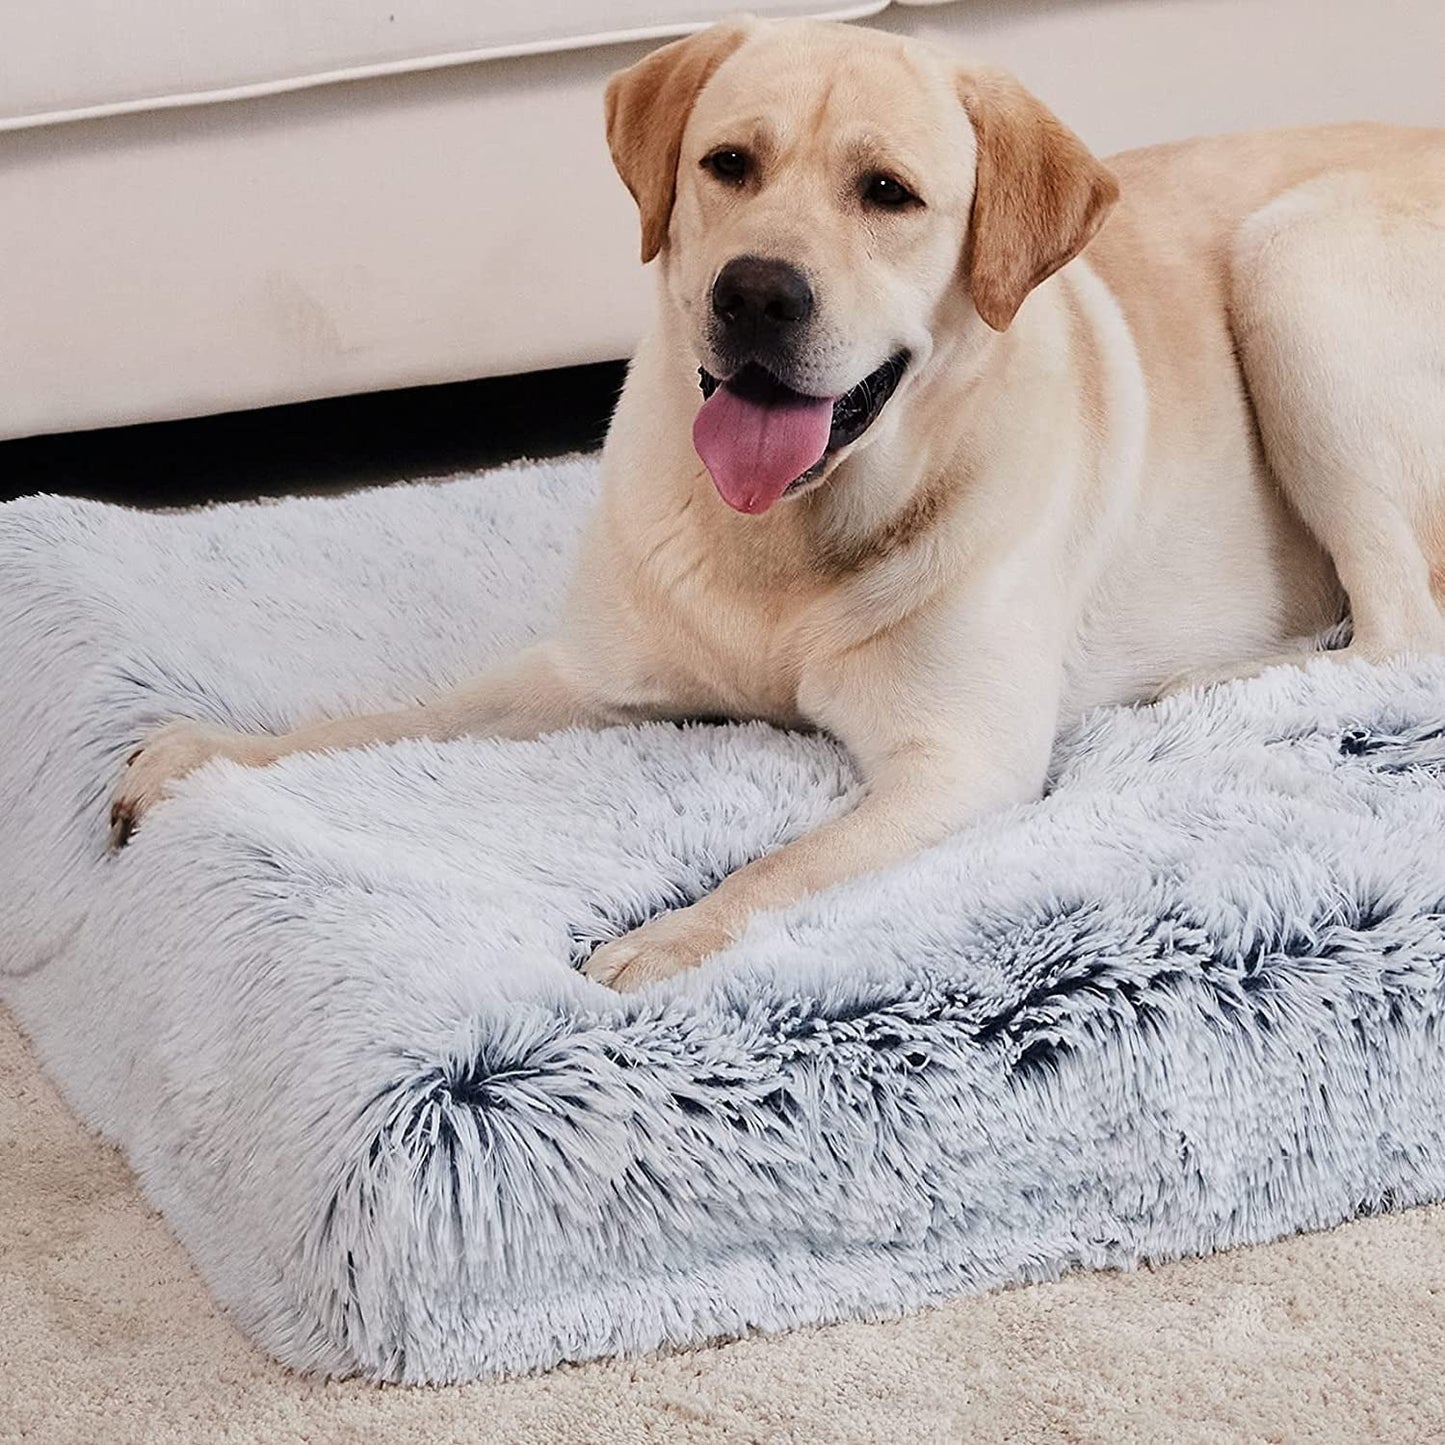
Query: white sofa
<point x="220" y="205"/>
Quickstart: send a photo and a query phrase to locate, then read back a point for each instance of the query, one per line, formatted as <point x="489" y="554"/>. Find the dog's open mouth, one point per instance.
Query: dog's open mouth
<point x="760" y="439"/>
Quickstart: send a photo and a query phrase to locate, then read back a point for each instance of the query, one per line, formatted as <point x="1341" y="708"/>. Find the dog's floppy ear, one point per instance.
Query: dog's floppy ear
<point x="647" y="108"/>
<point x="1039" y="195"/>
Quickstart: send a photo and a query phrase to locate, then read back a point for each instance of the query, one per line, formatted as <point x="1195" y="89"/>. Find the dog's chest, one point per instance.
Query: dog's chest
<point x="714" y="644"/>
<point x="734" y="660"/>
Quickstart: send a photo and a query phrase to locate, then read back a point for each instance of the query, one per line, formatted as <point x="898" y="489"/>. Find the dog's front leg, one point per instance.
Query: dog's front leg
<point x="535" y="692"/>
<point x="931" y="767"/>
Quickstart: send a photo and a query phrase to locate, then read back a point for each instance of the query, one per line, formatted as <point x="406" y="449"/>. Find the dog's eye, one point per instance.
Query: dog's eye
<point x="728" y="165"/>
<point x="884" y="191"/>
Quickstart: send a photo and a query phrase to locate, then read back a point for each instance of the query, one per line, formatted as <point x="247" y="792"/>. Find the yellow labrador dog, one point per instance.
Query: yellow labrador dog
<point x="947" y="430"/>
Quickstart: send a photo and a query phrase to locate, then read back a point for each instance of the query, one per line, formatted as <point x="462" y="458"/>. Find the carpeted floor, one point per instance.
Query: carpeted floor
<point x="110" y="1337"/>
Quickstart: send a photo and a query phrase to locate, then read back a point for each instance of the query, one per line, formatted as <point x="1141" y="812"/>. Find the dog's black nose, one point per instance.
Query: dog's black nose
<point x="759" y="300"/>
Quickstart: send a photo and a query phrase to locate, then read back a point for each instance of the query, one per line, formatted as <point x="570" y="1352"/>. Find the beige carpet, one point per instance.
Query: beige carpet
<point x="108" y="1336"/>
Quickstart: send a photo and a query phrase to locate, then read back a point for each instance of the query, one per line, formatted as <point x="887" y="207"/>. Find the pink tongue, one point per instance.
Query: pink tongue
<point x="754" y="451"/>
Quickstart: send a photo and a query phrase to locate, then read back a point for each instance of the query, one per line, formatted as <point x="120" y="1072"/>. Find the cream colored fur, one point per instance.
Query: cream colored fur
<point x="1181" y="457"/>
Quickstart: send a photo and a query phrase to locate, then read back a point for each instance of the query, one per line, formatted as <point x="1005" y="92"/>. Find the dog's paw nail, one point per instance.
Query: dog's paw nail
<point x="122" y="825"/>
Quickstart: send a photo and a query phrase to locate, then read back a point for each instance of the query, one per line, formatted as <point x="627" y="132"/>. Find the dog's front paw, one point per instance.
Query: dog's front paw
<point x="667" y="945"/>
<point x="164" y="758"/>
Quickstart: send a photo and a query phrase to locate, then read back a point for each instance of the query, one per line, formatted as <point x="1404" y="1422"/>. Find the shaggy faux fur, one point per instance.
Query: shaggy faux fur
<point x="331" y="1010"/>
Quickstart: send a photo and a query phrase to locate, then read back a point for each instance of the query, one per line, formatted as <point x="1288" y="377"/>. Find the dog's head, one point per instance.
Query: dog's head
<point x="829" y="203"/>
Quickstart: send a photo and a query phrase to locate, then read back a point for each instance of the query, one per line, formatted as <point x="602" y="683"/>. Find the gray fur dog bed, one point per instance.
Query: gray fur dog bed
<point x="331" y="1012"/>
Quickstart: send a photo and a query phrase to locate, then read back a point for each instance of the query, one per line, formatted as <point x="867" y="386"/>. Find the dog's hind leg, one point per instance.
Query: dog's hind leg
<point x="1339" y="315"/>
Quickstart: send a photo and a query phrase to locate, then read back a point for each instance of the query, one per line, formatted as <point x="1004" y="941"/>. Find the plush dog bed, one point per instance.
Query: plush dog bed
<point x="331" y="1011"/>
